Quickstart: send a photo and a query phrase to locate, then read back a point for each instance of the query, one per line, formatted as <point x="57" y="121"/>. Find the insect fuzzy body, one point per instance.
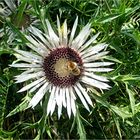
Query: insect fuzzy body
<point x="73" y="68"/>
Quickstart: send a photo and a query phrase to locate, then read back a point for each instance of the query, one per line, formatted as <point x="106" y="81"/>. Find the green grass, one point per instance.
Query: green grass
<point x="116" y="112"/>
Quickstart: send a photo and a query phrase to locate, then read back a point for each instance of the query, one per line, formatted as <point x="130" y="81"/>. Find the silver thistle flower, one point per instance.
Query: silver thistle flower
<point x="62" y="66"/>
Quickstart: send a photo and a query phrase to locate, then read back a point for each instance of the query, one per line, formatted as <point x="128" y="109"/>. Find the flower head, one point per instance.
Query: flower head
<point x="9" y="9"/>
<point x="62" y="66"/>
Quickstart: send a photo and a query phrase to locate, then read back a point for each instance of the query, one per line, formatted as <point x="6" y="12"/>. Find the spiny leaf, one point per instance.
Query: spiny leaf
<point x="122" y="113"/>
<point x="131" y="98"/>
<point x="80" y="126"/>
<point x="23" y="106"/>
<point x="108" y="18"/>
<point x="117" y="125"/>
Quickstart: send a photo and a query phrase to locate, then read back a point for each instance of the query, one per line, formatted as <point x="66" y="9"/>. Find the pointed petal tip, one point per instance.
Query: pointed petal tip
<point x="87" y="108"/>
<point x="59" y="117"/>
<point x="48" y="112"/>
<point x="97" y="34"/>
<point x="91" y="105"/>
<point x="110" y="69"/>
<point x="17" y="81"/>
<point x="112" y="63"/>
<point x="31" y="105"/>
<point x="19" y="91"/>
<point x="69" y="116"/>
<point x="108" y="87"/>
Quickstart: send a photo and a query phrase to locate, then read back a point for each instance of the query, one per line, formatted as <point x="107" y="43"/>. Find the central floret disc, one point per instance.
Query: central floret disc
<point x="60" y="67"/>
<point x="63" y="67"/>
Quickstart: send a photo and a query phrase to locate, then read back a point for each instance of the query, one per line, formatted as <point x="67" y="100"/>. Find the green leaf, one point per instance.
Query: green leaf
<point x="19" y="15"/>
<point x="4" y="88"/>
<point x="122" y="113"/>
<point x="108" y="18"/>
<point x="131" y="98"/>
<point x="5" y="51"/>
<point x="38" y="136"/>
<point x="117" y="125"/>
<point x="99" y="99"/>
<point x="17" y="31"/>
<point x="73" y="124"/>
<point x="6" y="135"/>
<point x="113" y="59"/>
<point x="113" y="90"/>
<point x="137" y="107"/>
<point x="135" y="35"/>
<point x="23" y="106"/>
<point x="80" y="126"/>
<point x="48" y="132"/>
<point x="125" y="78"/>
<point x="131" y="10"/>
